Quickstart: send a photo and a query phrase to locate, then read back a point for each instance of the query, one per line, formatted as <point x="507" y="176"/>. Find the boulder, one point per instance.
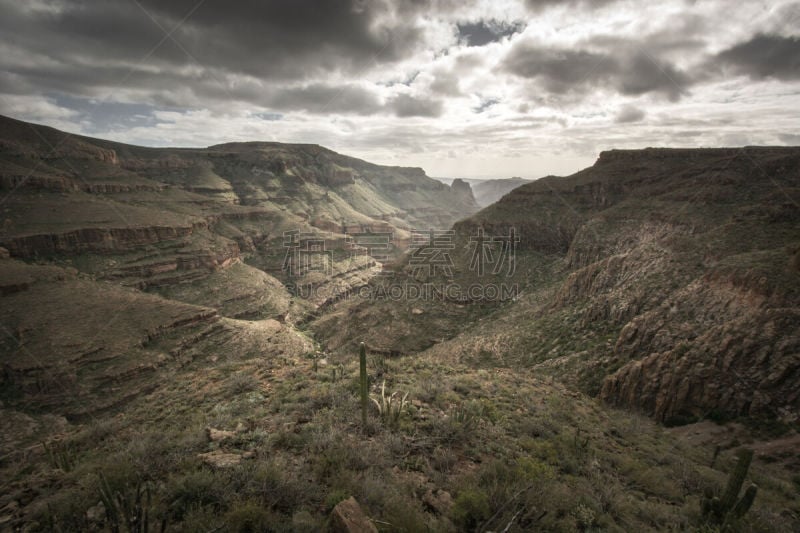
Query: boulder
<point x="347" y="517"/>
<point x="216" y="435"/>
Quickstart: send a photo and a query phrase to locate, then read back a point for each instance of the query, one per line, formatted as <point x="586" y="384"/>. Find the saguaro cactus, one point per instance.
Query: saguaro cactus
<point x="736" y="479"/>
<point x="729" y="507"/>
<point x="362" y="356"/>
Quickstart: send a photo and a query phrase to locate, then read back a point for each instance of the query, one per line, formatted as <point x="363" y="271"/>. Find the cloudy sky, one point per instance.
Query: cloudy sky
<point x="489" y="88"/>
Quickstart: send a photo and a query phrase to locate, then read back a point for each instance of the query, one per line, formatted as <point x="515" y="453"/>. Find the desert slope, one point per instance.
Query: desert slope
<point x="688" y="259"/>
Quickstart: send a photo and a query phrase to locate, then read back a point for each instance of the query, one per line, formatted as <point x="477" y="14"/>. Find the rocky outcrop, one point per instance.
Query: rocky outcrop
<point x="462" y="190"/>
<point x="14" y="180"/>
<point x="738" y="355"/>
<point x="101" y="240"/>
<point x="347" y="517"/>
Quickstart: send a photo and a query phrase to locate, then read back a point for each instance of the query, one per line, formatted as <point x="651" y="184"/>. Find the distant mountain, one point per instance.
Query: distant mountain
<point x="488" y="192"/>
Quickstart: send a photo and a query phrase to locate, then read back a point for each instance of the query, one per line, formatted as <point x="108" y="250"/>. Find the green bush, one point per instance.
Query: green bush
<point x="334" y="497"/>
<point x="250" y="517"/>
<point x="470" y="509"/>
<point x="193" y="490"/>
<point x="241" y="382"/>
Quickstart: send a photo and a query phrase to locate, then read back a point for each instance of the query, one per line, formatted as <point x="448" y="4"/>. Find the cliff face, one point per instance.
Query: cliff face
<point x="152" y="218"/>
<point x="661" y="280"/>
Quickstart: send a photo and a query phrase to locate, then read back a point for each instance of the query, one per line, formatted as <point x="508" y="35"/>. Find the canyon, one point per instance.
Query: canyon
<point x="155" y="291"/>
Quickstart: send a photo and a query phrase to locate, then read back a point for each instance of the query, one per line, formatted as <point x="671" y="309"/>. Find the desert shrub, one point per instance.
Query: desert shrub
<point x="199" y="519"/>
<point x="192" y="490"/>
<point x="250" y="517"/>
<point x="97" y="432"/>
<point x="118" y="471"/>
<point x="466" y="385"/>
<point x="404" y="514"/>
<point x="290" y="440"/>
<point x="585" y="516"/>
<point x="65" y="511"/>
<point x="379" y="365"/>
<point x="499" y="482"/>
<point x="470" y="509"/>
<point x="460" y="422"/>
<point x="429" y="390"/>
<point x="334" y="497"/>
<point x="304" y="522"/>
<point x="241" y="382"/>
<point x="338" y="456"/>
<point x="154" y="453"/>
<point x="443" y="459"/>
<point x="272" y="485"/>
<point x="530" y="470"/>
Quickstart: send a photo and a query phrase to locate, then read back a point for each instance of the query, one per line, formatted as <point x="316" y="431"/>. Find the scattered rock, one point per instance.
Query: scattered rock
<point x="416" y="311"/>
<point x="439" y="501"/>
<point x="216" y="435"/>
<point x="4" y="253"/>
<point x="347" y="517"/>
<point x="221" y="459"/>
<point x="97" y="513"/>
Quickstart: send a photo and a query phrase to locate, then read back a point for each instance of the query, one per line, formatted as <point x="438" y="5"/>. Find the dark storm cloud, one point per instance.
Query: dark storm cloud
<point x="408" y="106"/>
<point x="316" y="97"/>
<point x="79" y="45"/>
<point x="484" y="32"/>
<point x="631" y="72"/>
<point x="628" y="114"/>
<point x="280" y="38"/>
<point x="539" y="5"/>
<point x="322" y="98"/>
<point x="765" y="56"/>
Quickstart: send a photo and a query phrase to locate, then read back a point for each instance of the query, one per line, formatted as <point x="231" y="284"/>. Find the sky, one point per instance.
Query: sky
<point x="481" y="88"/>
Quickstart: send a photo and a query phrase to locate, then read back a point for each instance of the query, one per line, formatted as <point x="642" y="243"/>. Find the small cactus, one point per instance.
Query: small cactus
<point x="61" y="455"/>
<point x="390" y="407"/>
<point x="128" y="511"/>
